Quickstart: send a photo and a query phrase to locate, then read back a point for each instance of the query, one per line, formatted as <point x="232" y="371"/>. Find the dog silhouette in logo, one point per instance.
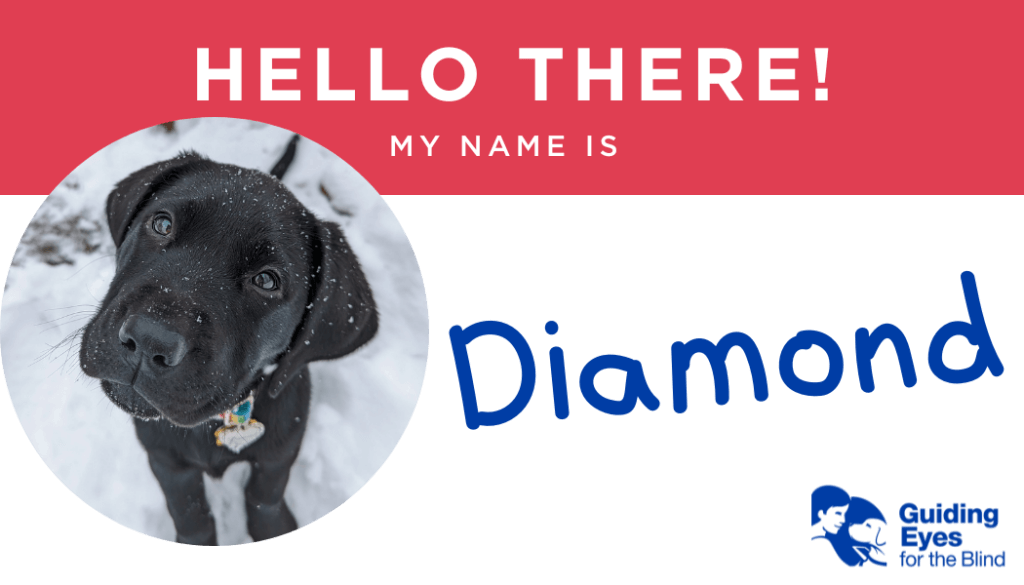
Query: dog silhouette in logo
<point x="854" y="527"/>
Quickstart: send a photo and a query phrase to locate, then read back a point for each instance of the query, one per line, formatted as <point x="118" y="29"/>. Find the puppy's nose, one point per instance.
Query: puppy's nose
<point x="160" y="344"/>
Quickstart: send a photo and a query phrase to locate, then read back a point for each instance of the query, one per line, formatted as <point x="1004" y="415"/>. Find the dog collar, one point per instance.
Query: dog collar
<point x="239" y="429"/>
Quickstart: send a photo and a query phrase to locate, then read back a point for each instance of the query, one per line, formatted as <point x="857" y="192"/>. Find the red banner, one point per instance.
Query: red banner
<point x="921" y="98"/>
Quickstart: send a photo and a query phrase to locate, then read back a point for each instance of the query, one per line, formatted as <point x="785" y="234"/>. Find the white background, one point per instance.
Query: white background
<point x="719" y="493"/>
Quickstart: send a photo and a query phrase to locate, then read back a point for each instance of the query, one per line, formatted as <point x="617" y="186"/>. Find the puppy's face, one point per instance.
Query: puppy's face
<point x="215" y="270"/>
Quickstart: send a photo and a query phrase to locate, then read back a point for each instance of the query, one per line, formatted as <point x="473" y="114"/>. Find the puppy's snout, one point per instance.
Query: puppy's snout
<point x="161" y="345"/>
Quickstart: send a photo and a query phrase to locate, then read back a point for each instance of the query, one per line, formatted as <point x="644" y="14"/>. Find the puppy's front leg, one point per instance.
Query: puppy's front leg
<point x="186" y="498"/>
<point x="268" y="515"/>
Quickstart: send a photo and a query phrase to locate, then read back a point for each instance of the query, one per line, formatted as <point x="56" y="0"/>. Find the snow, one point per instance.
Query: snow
<point x="361" y="404"/>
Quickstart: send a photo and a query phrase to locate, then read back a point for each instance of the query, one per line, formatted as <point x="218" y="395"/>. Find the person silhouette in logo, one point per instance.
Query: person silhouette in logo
<point x="854" y="527"/>
<point x="828" y="511"/>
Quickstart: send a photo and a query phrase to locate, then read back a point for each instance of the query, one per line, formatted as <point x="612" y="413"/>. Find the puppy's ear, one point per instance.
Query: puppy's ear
<point x="132" y="193"/>
<point x="340" y="313"/>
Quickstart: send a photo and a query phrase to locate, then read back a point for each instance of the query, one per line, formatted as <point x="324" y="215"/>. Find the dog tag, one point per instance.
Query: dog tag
<point x="238" y="437"/>
<point x="240" y="430"/>
<point x="239" y="415"/>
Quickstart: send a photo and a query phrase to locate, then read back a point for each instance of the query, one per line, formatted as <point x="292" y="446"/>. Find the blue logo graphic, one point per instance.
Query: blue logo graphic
<point x="854" y="527"/>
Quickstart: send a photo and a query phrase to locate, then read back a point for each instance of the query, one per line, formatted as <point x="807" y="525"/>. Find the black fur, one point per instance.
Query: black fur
<point x="205" y="333"/>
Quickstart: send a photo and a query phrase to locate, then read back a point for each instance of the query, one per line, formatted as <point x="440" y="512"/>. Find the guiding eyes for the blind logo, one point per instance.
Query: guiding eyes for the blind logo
<point x="852" y="526"/>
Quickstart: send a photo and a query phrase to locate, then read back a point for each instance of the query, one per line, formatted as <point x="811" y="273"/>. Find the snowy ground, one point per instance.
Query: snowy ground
<point x="361" y="403"/>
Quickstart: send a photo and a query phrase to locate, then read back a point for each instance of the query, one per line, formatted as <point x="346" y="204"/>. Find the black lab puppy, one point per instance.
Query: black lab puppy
<point x="225" y="288"/>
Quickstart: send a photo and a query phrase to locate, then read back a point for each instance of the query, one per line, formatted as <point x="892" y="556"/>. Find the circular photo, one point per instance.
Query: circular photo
<point x="214" y="331"/>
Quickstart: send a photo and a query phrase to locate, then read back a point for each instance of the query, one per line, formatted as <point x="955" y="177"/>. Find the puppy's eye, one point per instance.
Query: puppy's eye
<point x="265" y="280"/>
<point x="162" y="224"/>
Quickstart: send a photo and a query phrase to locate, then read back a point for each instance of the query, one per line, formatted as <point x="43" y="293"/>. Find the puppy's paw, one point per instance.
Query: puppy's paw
<point x="203" y="538"/>
<point x="269" y="520"/>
